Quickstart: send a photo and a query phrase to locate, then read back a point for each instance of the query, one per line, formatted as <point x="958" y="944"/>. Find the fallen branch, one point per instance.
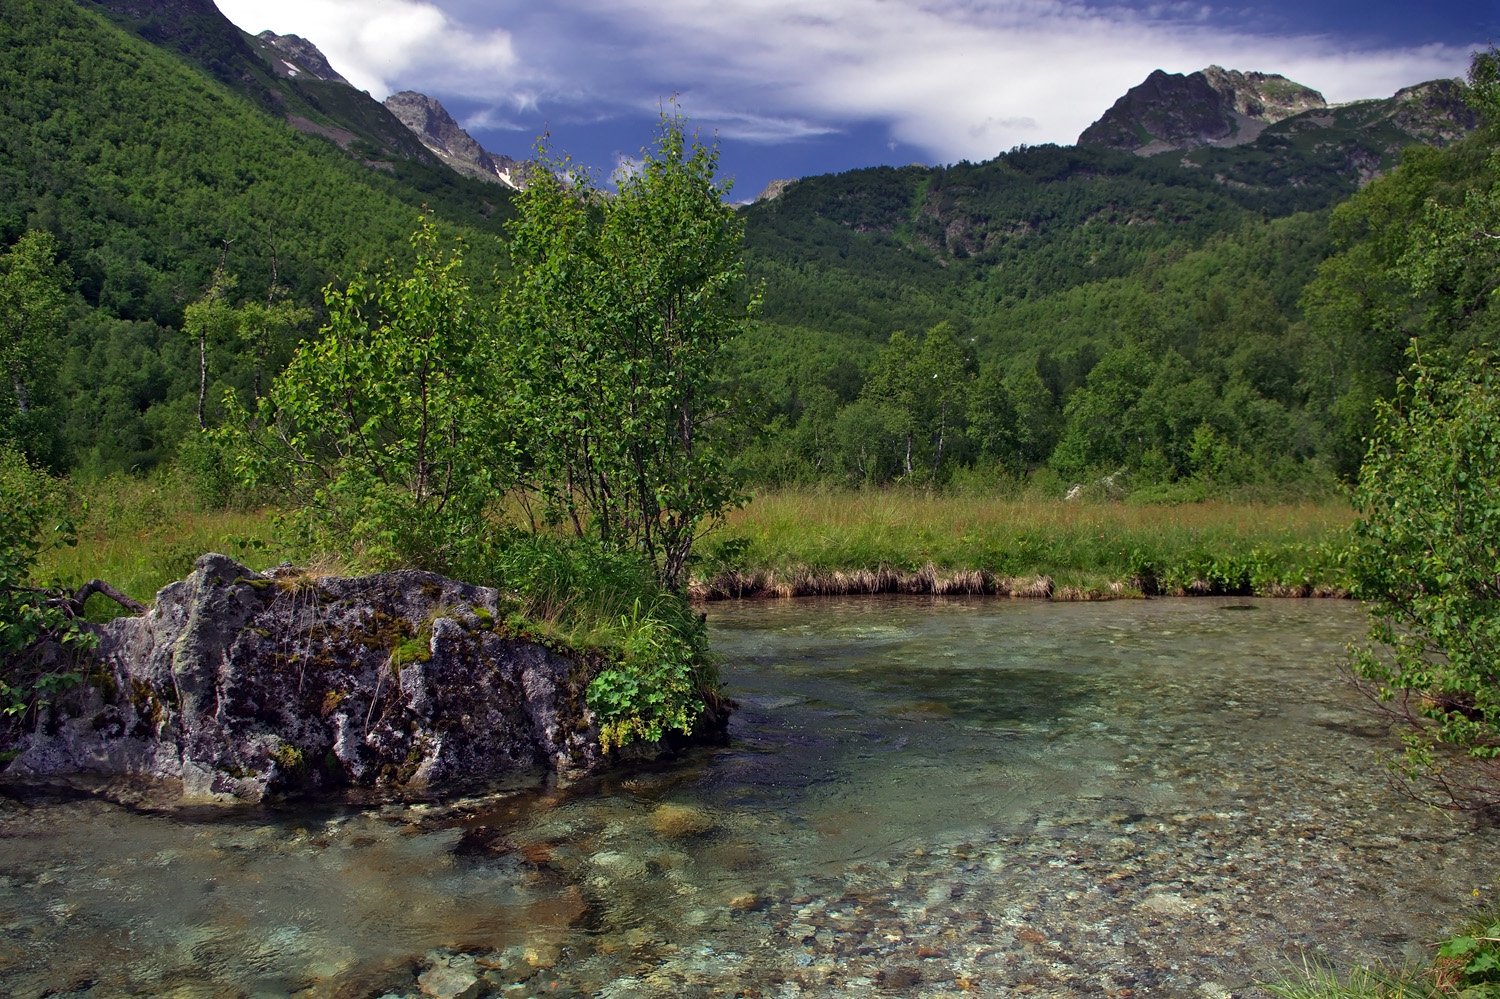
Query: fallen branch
<point x="74" y="604"/>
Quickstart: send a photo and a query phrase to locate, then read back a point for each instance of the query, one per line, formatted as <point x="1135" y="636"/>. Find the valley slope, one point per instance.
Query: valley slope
<point x="1137" y="302"/>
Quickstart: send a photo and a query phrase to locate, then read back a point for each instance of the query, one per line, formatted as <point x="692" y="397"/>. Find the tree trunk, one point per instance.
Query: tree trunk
<point x="202" y="379"/>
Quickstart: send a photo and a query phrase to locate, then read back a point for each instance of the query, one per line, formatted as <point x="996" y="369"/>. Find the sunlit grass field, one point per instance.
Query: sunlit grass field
<point x="1078" y="543"/>
<point x="142" y="534"/>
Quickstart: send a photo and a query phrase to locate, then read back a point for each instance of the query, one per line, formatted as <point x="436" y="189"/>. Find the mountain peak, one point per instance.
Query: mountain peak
<point x="294" y="56"/>
<point x="435" y="127"/>
<point x="1213" y="106"/>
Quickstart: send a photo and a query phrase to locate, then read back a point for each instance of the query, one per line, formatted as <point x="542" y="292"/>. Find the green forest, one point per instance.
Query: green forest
<point x="1083" y="314"/>
<point x="1059" y="316"/>
<point x="150" y="177"/>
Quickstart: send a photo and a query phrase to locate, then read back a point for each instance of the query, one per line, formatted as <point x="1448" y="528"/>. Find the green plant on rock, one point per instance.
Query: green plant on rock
<point x="416" y="649"/>
<point x="654" y="687"/>
<point x="289" y="758"/>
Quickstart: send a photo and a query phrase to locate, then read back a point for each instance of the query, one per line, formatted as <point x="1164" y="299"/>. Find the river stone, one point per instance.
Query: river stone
<point x="242" y="685"/>
<point x="673" y="821"/>
<point x="456" y="979"/>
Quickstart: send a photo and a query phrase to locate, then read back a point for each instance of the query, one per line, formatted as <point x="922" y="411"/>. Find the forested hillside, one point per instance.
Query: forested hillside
<point x="1069" y="312"/>
<point x="150" y="175"/>
<point x="1092" y="312"/>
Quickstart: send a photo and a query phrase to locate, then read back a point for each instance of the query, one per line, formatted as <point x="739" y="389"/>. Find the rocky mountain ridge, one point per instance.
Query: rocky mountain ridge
<point x="1206" y="114"/>
<point x="430" y="122"/>
<point x="293" y="56"/>
<point x="1214" y="106"/>
<point x="290" y="77"/>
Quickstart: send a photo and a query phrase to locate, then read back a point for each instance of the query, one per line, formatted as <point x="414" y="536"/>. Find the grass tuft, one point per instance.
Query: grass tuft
<point x="1313" y="981"/>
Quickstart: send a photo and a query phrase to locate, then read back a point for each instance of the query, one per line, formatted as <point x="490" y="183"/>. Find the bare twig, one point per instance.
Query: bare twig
<point x="74" y="604"/>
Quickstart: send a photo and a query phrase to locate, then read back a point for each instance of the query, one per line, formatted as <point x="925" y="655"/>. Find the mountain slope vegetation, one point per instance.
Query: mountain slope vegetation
<point x="1107" y="312"/>
<point x="1069" y="312"/>
<point x="152" y="175"/>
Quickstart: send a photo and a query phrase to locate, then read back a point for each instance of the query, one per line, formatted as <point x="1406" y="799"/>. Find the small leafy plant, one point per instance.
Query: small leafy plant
<point x="652" y="689"/>
<point x="1469" y="963"/>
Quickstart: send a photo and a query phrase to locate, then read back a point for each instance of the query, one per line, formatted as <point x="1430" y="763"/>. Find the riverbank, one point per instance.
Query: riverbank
<point x="909" y="541"/>
<point x="926" y="798"/>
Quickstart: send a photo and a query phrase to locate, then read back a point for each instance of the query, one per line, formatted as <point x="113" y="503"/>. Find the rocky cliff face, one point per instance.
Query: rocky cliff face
<point x="1214" y="106"/>
<point x="284" y="75"/>
<point x="432" y="123"/>
<point x="296" y="58"/>
<point x="1434" y="113"/>
<point x="775" y="189"/>
<point x="1359" y="141"/>
<point x="1267" y="97"/>
<point x="242" y="685"/>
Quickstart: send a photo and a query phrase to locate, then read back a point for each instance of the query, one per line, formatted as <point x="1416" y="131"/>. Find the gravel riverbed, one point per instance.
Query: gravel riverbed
<point x="1168" y="798"/>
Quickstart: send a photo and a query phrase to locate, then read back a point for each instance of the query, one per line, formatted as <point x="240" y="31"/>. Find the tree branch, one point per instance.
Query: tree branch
<point x="74" y="604"/>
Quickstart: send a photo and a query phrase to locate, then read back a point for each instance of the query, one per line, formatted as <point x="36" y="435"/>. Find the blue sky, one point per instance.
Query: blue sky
<point x="793" y="87"/>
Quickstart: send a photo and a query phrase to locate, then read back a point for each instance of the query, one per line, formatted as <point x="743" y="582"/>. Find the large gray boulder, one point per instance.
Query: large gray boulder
<point x="242" y="685"/>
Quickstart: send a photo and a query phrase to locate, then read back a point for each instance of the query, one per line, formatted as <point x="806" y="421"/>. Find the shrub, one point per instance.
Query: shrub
<point x="34" y="622"/>
<point x="657" y="670"/>
<point x="1426" y="554"/>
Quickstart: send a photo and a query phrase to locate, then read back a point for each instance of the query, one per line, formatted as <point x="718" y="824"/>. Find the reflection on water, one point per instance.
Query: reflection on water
<point x="921" y="797"/>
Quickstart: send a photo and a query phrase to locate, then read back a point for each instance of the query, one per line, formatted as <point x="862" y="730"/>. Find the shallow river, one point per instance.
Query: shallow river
<point x="950" y="797"/>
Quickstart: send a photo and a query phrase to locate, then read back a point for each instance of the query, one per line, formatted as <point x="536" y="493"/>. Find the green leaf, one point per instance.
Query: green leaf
<point x="1458" y="947"/>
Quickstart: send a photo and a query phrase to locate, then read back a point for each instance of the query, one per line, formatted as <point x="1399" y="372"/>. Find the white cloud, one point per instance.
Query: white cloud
<point x="747" y="126"/>
<point x="625" y="167"/>
<point x="387" y="45"/>
<point x="953" y="78"/>
<point x="970" y="79"/>
<point x="495" y="119"/>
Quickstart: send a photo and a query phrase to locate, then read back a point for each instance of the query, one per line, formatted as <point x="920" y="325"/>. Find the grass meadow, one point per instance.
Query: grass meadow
<point x="140" y="534"/>
<point x="1085" y="547"/>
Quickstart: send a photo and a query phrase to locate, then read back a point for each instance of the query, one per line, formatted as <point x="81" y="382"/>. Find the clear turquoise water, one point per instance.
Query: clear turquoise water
<point x="924" y="797"/>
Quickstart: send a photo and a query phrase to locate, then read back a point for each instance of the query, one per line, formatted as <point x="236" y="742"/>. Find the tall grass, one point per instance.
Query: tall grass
<point x="1316" y="982"/>
<point x="140" y="534"/>
<point x="1467" y="964"/>
<point x="1260" y="547"/>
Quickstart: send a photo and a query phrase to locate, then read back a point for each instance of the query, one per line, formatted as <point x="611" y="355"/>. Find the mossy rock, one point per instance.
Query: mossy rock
<point x="680" y="822"/>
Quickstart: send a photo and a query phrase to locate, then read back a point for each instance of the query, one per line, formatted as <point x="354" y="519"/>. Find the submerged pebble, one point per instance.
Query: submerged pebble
<point x="1183" y="815"/>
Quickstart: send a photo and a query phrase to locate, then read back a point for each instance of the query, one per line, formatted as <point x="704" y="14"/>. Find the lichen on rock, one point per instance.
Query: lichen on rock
<point x="243" y="685"/>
